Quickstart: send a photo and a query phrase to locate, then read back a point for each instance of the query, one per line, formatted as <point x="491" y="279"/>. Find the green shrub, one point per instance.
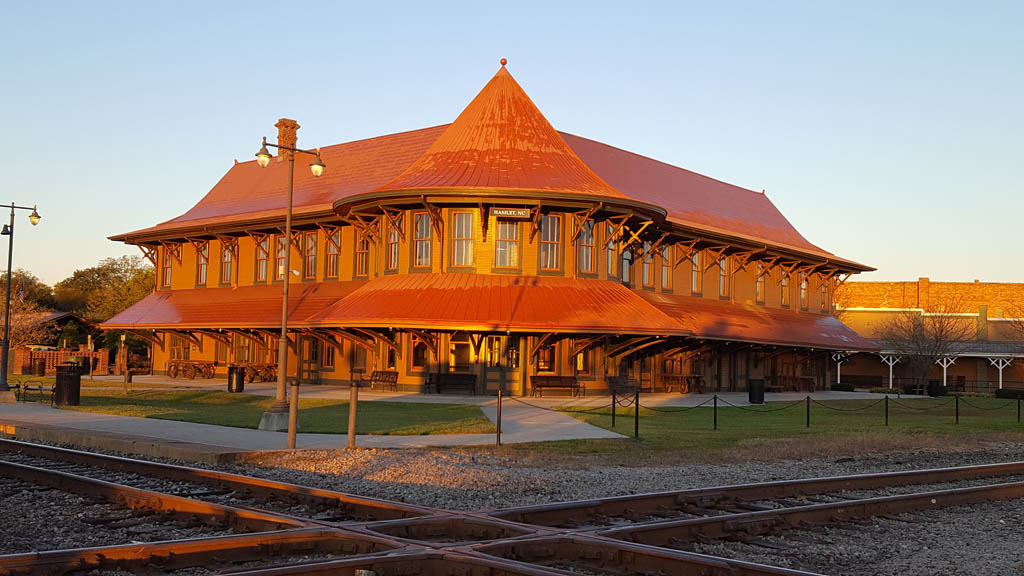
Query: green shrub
<point x="1009" y="393"/>
<point x="842" y="387"/>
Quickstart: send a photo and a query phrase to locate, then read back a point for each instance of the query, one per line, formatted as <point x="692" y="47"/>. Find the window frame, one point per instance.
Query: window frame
<point x="804" y="287"/>
<point x="309" y="267"/>
<point x="428" y="241"/>
<point x="166" y="268"/>
<point x="697" y="273"/>
<point x="515" y="243"/>
<point x="610" y="250"/>
<point x="328" y="356"/>
<point x="760" y="283"/>
<point x="724" y="278"/>
<point x="647" y="267"/>
<point x="587" y="355"/>
<point x="280" y="270"/>
<point x="784" y="290"/>
<point x="227" y="264"/>
<point x="413" y="342"/>
<point x="588" y="230"/>
<point x="555" y="244"/>
<point x="553" y="368"/>
<point x="461" y="241"/>
<point x="262" y="253"/>
<point x="332" y="254"/>
<point x="666" y="269"/>
<point x="202" y="263"/>
<point x="823" y="290"/>
<point x="626" y="266"/>
<point x="361" y="256"/>
<point x="394" y="245"/>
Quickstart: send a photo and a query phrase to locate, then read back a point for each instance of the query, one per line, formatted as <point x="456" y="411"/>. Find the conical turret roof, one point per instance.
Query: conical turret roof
<point x="501" y="141"/>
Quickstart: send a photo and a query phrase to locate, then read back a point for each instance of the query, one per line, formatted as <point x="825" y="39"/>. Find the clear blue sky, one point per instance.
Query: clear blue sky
<point x="891" y="133"/>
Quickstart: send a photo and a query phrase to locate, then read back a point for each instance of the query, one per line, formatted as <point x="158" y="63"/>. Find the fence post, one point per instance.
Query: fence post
<point x="716" y="410"/>
<point x="498" y="439"/>
<point x="887" y="410"/>
<point x="636" y="415"/>
<point x="613" y="410"/>
<point x="957" y="409"/>
<point x="808" y="411"/>
<point x="1018" y="409"/>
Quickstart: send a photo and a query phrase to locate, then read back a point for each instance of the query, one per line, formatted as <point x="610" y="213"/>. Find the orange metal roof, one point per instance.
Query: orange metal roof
<point x="498" y="302"/>
<point x="242" y="307"/>
<point x="720" y="320"/>
<point x="501" y="141"/>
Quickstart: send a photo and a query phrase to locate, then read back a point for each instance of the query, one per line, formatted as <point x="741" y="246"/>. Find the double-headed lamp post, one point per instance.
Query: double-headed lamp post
<point x="275" y="418"/>
<point x="8" y="230"/>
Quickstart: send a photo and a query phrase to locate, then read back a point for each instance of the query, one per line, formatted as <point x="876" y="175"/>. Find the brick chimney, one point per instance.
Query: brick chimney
<point x="286" y="136"/>
<point x="983" y="322"/>
<point x="923" y="301"/>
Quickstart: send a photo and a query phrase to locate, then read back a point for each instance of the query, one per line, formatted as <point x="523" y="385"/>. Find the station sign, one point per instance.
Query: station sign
<point x="511" y="213"/>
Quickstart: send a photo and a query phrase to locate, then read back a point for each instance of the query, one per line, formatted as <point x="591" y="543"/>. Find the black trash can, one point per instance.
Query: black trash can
<point x="935" y="388"/>
<point x="68" y="389"/>
<point x="755" y="391"/>
<point x="236" y="379"/>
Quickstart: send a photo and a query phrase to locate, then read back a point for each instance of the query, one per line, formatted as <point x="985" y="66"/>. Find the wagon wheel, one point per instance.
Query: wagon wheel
<point x="190" y="371"/>
<point x="209" y="371"/>
<point x="267" y="374"/>
<point x="271" y="373"/>
<point x="250" y="374"/>
<point x="172" y="370"/>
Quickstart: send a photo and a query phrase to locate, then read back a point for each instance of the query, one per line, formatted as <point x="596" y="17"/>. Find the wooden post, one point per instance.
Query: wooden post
<point x="293" y="414"/>
<point x="636" y="414"/>
<point x="352" y="401"/>
<point x="498" y="439"/>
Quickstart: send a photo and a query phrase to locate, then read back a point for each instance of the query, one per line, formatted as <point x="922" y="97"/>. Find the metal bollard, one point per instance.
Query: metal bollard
<point x="636" y="416"/>
<point x="498" y="440"/>
<point x="957" y="409"/>
<point x="808" y="411"/>
<point x="293" y="414"/>
<point x="887" y="410"/>
<point x="715" y="410"/>
<point x="613" y="410"/>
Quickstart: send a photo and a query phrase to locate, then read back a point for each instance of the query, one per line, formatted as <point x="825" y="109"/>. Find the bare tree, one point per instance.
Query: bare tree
<point x="29" y="322"/>
<point x="1016" y="321"/>
<point x="923" y="336"/>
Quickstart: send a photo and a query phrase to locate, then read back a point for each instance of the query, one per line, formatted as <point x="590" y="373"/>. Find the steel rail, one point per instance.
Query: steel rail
<point x="590" y="512"/>
<point x="358" y="507"/>
<point x="134" y="498"/>
<point x="751" y="524"/>
<point x="209" y="552"/>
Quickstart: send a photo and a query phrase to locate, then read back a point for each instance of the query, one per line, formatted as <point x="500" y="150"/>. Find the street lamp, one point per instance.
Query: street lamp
<point x="273" y="418"/>
<point x="8" y="230"/>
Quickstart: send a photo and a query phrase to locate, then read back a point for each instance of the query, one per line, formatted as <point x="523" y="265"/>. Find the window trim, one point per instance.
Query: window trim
<point x="279" y="260"/>
<point x="804" y="291"/>
<point x="611" y="253"/>
<point x="361" y="238"/>
<point x="580" y="245"/>
<point x="785" y="290"/>
<point x="554" y="358"/>
<point x="428" y="240"/>
<point x="394" y="246"/>
<point x="166" y="268"/>
<point x="332" y="249"/>
<point x="667" y="272"/>
<point x="724" y="278"/>
<point x="760" y="283"/>
<point x="541" y="243"/>
<point x="265" y="252"/>
<point x="225" y="250"/>
<point x="307" y="270"/>
<point x="514" y="225"/>
<point x="647" y="268"/>
<point x="823" y="294"/>
<point x="470" y="240"/>
<point x="202" y="264"/>
<point x="697" y="273"/>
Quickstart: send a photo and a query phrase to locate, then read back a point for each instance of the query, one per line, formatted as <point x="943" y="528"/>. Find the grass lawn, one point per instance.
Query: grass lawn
<point x="86" y="382"/>
<point x="838" y="427"/>
<point x="315" y="415"/>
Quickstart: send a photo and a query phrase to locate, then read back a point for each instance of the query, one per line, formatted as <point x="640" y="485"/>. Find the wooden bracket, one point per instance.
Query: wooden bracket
<point x="767" y="266"/>
<point x="716" y="255"/>
<point x="635" y="236"/>
<point x="367" y="224"/>
<point x="188" y="337"/>
<point x="579" y="220"/>
<point x="153" y="339"/>
<point x="632" y="345"/>
<point x="618" y="223"/>
<point x="356" y="339"/>
<point x="741" y="260"/>
<point x="429" y="340"/>
<point x="653" y="247"/>
<point x="684" y="251"/>
<point x="258" y="239"/>
<point x="394" y="217"/>
<point x="325" y="338"/>
<point x="384" y="339"/>
<point x="477" y="340"/>
<point x="787" y="268"/>
<point x="149" y="253"/>
<point x="540" y="343"/>
<point x="296" y="239"/>
<point x="581" y="345"/>
<point x="535" y="216"/>
<point x="215" y="336"/>
<point x="436" y="222"/>
<point x="173" y="249"/>
<point x="230" y="243"/>
<point x="484" y="218"/>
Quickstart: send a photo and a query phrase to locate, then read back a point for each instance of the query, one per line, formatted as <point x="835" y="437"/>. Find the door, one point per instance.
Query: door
<point x="309" y="360"/>
<point x="494" y="365"/>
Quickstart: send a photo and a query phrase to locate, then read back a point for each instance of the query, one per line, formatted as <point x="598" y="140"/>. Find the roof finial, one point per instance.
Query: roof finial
<point x="503" y="62"/>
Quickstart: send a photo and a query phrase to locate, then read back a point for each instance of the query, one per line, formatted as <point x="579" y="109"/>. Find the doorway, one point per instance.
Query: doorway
<point x="309" y="360"/>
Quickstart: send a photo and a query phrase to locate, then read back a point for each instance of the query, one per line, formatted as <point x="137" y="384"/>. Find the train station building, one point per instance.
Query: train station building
<point x="498" y="249"/>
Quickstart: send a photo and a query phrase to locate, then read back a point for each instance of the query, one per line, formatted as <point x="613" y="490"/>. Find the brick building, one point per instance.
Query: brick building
<point x="991" y="315"/>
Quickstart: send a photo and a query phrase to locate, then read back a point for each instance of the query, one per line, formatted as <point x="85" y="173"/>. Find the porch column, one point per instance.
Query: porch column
<point x="946" y="362"/>
<point x="1000" y="363"/>
<point x="890" y="360"/>
<point x="839" y="358"/>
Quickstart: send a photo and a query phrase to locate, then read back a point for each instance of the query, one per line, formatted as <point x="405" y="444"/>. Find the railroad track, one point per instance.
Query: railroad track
<point x="302" y="530"/>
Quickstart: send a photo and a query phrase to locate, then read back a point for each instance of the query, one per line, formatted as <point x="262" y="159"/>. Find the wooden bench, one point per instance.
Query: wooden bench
<point x="622" y="385"/>
<point x="539" y="382"/>
<point x="452" y="380"/>
<point x="386" y="378"/>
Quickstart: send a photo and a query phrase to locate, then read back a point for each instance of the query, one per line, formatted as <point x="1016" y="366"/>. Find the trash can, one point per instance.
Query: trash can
<point x="236" y="379"/>
<point x="68" y="389"/>
<point x="755" y="391"/>
<point x="39" y="366"/>
<point x="935" y="388"/>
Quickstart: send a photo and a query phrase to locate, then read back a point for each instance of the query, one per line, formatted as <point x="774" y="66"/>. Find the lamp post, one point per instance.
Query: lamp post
<point x="276" y="418"/>
<point x="8" y="230"/>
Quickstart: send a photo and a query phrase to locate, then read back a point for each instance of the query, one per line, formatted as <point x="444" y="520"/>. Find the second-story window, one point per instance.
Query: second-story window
<point x="421" y="240"/>
<point x="550" y="242"/>
<point x="759" y="284"/>
<point x="586" y="244"/>
<point x="262" y="258"/>
<point x="666" y="268"/>
<point x="362" y="255"/>
<point x="506" y="245"/>
<point x="609" y="247"/>
<point x="697" y="273"/>
<point x="165" y="269"/>
<point x="784" y="286"/>
<point x="227" y="264"/>
<point x="803" y="291"/>
<point x="462" y="239"/>
<point x="647" y="267"/>
<point x="280" y="254"/>
<point x="202" y="262"/>
<point x="394" y="243"/>
<point x="309" y="268"/>
<point x="625" y="266"/>
<point x="333" y="253"/>
<point x="723" y="277"/>
<point x="824" y="296"/>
